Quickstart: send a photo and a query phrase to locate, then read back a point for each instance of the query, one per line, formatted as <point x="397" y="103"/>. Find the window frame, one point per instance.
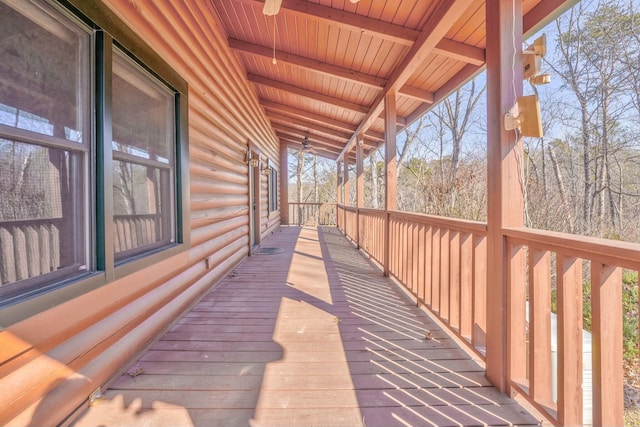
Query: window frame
<point x="109" y="32"/>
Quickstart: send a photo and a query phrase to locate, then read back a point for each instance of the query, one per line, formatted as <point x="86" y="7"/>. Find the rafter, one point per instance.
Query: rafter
<point x="460" y="51"/>
<point x="464" y="75"/>
<point x="306" y="115"/>
<point x="261" y="80"/>
<point x="374" y="27"/>
<point x="297" y="145"/>
<point x="316" y="118"/>
<point x="309" y="64"/>
<point x="329" y="132"/>
<point x="350" y="21"/>
<point x="445" y="15"/>
<point x="294" y="132"/>
<point x="417" y="93"/>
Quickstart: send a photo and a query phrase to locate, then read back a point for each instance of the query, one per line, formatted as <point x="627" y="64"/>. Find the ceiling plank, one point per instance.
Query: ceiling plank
<point x="437" y="25"/>
<point x="261" y="80"/>
<point x="309" y="64"/>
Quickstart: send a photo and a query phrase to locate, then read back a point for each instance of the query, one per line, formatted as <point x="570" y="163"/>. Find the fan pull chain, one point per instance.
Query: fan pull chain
<point x="273" y="61"/>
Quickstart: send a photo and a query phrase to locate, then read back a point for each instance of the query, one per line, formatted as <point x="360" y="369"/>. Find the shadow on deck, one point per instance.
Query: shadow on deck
<point x="311" y="336"/>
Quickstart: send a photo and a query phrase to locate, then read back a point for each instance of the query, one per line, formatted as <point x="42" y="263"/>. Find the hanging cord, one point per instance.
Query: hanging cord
<point x="273" y="61"/>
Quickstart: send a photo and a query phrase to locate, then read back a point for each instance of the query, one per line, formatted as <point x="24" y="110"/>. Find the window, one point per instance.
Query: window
<point x="273" y="187"/>
<point x="69" y="127"/>
<point x="143" y="160"/>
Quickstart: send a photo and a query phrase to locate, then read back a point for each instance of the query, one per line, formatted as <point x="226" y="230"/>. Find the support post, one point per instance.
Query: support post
<point x="359" y="186"/>
<point x="284" y="185"/>
<point x="338" y="191"/>
<point x="390" y="197"/>
<point x="505" y="202"/>
<point x="345" y="179"/>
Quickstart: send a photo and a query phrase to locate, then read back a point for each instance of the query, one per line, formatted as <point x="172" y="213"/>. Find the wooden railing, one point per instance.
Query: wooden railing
<point x="29" y="248"/>
<point x="542" y="262"/>
<point x="134" y="231"/>
<point x="312" y="214"/>
<point x="443" y="263"/>
<point x="371" y="238"/>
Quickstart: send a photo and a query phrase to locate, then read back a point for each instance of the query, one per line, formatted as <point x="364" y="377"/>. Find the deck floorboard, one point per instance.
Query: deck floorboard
<point x="312" y="336"/>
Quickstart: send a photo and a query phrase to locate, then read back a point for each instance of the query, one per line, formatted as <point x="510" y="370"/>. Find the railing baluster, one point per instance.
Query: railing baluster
<point x="428" y="259"/>
<point x="606" y="327"/>
<point x="454" y="280"/>
<point x="435" y="270"/>
<point x="516" y="326"/>
<point x="569" y="282"/>
<point x="479" y="338"/>
<point x="540" y="325"/>
<point x="445" y="284"/>
<point x="421" y="262"/>
<point x="466" y="285"/>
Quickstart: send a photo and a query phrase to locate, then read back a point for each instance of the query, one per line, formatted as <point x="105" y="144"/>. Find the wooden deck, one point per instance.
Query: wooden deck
<point x="312" y="336"/>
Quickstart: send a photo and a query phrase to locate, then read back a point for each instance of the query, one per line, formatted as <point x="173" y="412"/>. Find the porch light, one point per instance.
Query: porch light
<point x="267" y="170"/>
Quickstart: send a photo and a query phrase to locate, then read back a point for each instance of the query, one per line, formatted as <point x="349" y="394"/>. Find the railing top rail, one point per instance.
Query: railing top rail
<point x="475" y="227"/>
<point x="20" y="222"/>
<point x="313" y="203"/>
<point x="372" y="211"/>
<point x="152" y="215"/>
<point x="612" y="252"/>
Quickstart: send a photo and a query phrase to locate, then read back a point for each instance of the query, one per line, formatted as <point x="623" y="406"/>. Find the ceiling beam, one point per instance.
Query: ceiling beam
<point x="416" y="93"/>
<point x="307" y="115"/>
<point x="464" y="75"/>
<point x="351" y="21"/>
<point x="460" y="51"/>
<point x="437" y="25"/>
<point x="308" y="64"/>
<point x="261" y="80"/>
<point x="298" y="133"/>
<point x="290" y="143"/>
<point x="330" y="132"/>
<point x="275" y="106"/>
<point x="372" y="27"/>
<point x="538" y="17"/>
<point x="543" y="13"/>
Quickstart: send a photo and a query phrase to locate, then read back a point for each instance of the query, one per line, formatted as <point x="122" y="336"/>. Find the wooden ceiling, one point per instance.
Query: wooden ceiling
<point x="336" y="61"/>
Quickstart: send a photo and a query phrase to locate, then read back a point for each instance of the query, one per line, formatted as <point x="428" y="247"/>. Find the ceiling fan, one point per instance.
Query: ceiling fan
<point x="272" y="7"/>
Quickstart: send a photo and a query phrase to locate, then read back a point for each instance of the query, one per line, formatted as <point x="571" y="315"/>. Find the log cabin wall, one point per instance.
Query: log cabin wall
<point x="52" y="361"/>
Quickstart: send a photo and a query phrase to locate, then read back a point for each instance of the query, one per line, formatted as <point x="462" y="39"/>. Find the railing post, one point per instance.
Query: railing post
<point x="504" y="192"/>
<point x="606" y="326"/>
<point x="284" y="185"/>
<point x="359" y="186"/>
